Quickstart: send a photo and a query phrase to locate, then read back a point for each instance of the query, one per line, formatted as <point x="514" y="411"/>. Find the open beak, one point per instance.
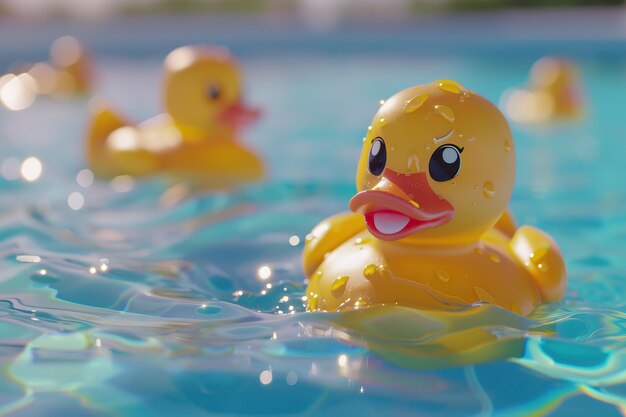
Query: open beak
<point x="239" y="115"/>
<point x="400" y="205"/>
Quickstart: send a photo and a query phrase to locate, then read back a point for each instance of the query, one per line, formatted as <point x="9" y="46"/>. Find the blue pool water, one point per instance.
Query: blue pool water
<point x="145" y="303"/>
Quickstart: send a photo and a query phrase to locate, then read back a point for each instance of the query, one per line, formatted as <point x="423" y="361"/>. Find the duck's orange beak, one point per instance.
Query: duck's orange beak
<point x="400" y="205"/>
<point x="239" y="115"/>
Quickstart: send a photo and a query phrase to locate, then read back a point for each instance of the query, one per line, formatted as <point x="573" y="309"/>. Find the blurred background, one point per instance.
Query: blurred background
<point x="326" y="10"/>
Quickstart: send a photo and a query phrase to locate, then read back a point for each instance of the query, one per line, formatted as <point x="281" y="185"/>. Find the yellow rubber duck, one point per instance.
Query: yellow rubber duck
<point x="430" y="226"/>
<point x="553" y="93"/>
<point x="69" y="71"/>
<point x="67" y="74"/>
<point x="197" y="136"/>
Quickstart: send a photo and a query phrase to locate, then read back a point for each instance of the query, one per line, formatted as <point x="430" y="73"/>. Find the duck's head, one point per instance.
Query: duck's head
<point x="203" y="91"/>
<point x="437" y="166"/>
<point x="553" y="73"/>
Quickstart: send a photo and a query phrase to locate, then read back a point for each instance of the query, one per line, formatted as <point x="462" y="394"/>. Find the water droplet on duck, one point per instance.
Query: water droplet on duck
<point x="539" y="253"/>
<point x="483" y="295"/>
<point x="392" y="147"/>
<point x="445" y="112"/>
<point x="537" y="257"/>
<point x="370" y="270"/>
<point x="450" y="86"/>
<point x="479" y="250"/>
<point x="415" y="103"/>
<point x="339" y="285"/>
<point x="507" y="145"/>
<point x="381" y="102"/>
<point x="383" y="121"/>
<point x="494" y="258"/>
<point x="488" y="189"/>
<point x="442" y="275"/>
<point x="413" y="163"/>
<point x="476" y="187"/>
<point x="428" y="146"/>
<point x="313" y="302"/>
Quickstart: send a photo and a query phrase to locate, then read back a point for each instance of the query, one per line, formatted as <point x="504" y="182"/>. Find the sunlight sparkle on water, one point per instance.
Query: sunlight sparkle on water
<point x="342" y="360"/>
<point x="76" y="201"/>
<point x="31" y="169"/>
<point x="265" y="377"/>
<point x="28" y="258"/>
<point x="17" y="92"/>
<point x="84" y="178"/>
<point x="264" y="272"/>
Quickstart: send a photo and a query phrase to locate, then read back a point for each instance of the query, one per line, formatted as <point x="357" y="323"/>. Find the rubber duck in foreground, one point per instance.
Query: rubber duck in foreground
<point x="67" y="74"/>
<point x="553" y="93"/>
<point x="197" y="137"/>
<point x="430" y="226"/>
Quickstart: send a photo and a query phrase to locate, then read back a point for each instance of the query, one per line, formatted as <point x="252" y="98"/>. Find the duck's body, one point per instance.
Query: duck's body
<point x="421" y="242"/>
<point x="197" y="139"/>
<point x="490" y="270"/>
<point x="156" y="147"/>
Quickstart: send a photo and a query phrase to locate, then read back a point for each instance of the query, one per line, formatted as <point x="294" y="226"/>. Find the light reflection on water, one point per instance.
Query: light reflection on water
<point x="132" y="297"/>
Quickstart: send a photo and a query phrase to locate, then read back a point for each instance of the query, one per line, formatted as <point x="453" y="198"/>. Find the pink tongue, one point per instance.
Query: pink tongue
<point x="390" y="223"/>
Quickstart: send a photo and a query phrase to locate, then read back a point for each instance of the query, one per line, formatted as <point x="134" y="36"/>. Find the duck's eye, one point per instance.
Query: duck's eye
<point x="445" y="163"/>
<point x="214" y="92"/>
<point x="378" y="156"/>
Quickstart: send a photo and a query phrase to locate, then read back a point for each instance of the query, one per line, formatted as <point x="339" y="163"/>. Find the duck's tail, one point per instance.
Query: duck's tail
<point x="103" y="122"/>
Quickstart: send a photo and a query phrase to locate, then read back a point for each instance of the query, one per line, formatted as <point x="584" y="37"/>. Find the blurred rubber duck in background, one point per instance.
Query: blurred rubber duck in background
<point x="67" y="74"/>
<point x="553" y="93"/>
<point x="197" y="138"/>
<point x="430" y="226"/>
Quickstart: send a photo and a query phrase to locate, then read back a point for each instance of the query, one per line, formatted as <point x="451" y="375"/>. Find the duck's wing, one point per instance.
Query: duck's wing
<point x="114" y="147"/>
<point x="327" y="236"/>
<point x="541" y="256"/>
<point x="103" y="122"/>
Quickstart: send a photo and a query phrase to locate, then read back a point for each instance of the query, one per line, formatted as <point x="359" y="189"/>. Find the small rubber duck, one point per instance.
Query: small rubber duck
<point x="67" y="74"/>
<point x="429" y="226"/>
<point x="553" y="93"/>
<point x="197" y="136"/>
<point x="69" y="71"/>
